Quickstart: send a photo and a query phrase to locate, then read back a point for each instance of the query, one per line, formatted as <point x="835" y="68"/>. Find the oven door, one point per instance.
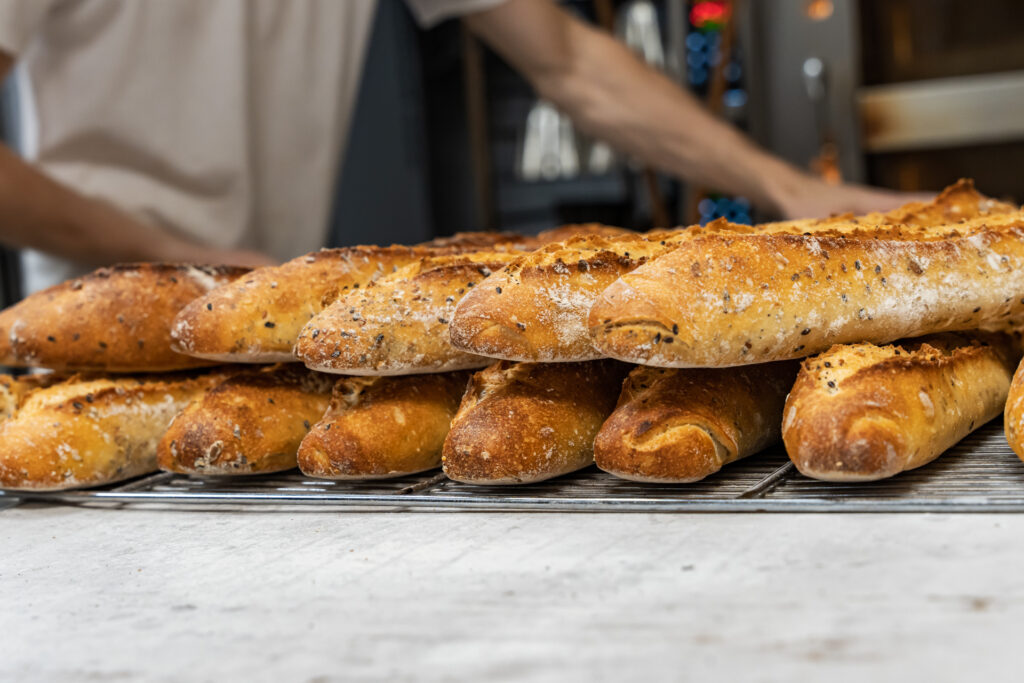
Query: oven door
<point x="908" y="94"/>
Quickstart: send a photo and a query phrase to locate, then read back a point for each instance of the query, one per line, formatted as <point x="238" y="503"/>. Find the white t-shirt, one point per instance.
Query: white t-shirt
<point x="221" y="120"/>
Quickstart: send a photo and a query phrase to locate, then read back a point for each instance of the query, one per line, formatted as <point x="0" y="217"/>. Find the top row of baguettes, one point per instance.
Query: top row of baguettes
<point x="714" y="296"/>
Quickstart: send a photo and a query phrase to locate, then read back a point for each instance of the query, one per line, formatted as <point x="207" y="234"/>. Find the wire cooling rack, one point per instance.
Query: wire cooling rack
<point x="980" y="474"/>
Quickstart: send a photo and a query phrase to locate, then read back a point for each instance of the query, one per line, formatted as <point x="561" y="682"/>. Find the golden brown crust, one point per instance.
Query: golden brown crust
<point x="7" y="357"/>
<point x="251" y="423"/>
<point x="115" y="319"/>
<point x="861" y="412"/>
<point x="526" y="422"/>
<point x="729" y="300"/>
<point x="958" y="202"/>
<point x="535" y="308"/>
<point x="1013" y="415"/>
<point x="378" y="427"/>
<point x="257" y="319"/>
<point x="679" y="426"/>
<point x="87" y="432"/>
<point x="399" y="325"/>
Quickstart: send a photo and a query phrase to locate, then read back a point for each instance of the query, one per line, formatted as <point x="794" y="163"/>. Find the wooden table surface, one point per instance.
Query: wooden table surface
<point x="133" y="594"/>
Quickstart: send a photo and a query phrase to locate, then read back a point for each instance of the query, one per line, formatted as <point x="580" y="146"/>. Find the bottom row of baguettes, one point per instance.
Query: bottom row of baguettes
<point x="857" y="412"/>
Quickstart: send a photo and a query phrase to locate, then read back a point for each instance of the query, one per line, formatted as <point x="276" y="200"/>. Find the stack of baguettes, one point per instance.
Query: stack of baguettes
<point x="905" y="320"/>
<point x="663" y="356"/>
<point x="190" y="368"/>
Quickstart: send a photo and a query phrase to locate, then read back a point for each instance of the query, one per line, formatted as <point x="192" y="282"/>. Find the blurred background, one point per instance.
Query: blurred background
<point x="906" y="94"/>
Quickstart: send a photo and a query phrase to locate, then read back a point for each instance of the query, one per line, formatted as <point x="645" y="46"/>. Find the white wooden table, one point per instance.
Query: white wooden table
<point x="127" y="595"/>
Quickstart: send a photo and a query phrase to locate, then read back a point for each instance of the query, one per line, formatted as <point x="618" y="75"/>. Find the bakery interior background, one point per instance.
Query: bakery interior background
<point x="905" y="94"/>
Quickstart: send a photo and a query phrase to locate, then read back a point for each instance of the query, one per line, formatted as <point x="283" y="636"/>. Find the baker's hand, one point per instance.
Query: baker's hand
<point x="814" y="198"/>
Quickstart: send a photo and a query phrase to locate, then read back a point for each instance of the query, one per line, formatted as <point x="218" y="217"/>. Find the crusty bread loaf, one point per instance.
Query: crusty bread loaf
<point x="526" y="422"/>
<point x="1013" y="415"/>
<point x="680" y="425"/>
<point x="722" y="300"/>
<point x="86" y="432"/>
<point x="257" y="319"/>
<point x="536" y="308"/>
<point x="378" y="427"/>
<point x="861" y="412"/>
<point x="399" y="324"/>
<point x="251" y="423"/>
<point x="115" y="319"/>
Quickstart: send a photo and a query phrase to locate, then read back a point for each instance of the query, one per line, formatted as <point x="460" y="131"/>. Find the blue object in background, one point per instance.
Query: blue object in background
<point x="733" y="209"/>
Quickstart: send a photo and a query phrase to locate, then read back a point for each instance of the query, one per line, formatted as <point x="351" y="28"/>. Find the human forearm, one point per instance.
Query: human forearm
<point x="38" y="212"/>
<point x="612" y="95"/>
<point x="646" y="115"/>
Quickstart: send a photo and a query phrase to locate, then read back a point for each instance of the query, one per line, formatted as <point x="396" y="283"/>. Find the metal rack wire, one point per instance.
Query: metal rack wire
<point x="981" y="474"/>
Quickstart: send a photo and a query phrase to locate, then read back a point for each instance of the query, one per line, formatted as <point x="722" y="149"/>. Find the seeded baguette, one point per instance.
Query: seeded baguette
<point x="862" y="412"/>
<point x="526" y="422"/>
<point x="115" y="319"/>
<point x="536" y="308"/>
<point x="1013" y="416"/>
<point x="718" y="300"/>
<point x="380" y="427"/>
<point x="86" y="432"/>
<point x="250" y="423"/>
<point x="680" y="426"/>
<point x="399" y="325"/>
<point x="257" y="319"/>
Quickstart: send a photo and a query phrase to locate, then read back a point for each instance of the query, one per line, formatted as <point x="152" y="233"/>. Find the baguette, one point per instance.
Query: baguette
<point x="399" y="325"/>
<point x="526" y="422"/>
<point x="251" y="423"/>
<point x="115" y="319"/>
<point x="536" y="308"/>
<point x="1013" y="416"/>
<point x="86" y="432"/>
<point x="258" y="318"/>
<point x="862" y="412"/>
<point x="379" y="427"/>
<point x="679" y="426"/>
<point x="722" y="300"/>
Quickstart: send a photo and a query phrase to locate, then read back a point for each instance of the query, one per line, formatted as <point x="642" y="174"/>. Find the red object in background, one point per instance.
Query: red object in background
<point x="709" y="15"/>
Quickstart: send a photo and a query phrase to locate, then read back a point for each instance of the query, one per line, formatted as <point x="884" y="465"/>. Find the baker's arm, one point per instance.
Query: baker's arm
<point x="38" y="212"/>
<point x="612" y="95"/>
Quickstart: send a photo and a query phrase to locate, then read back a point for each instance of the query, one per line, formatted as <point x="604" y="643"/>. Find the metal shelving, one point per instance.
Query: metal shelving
<point x="981" y="474"/>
